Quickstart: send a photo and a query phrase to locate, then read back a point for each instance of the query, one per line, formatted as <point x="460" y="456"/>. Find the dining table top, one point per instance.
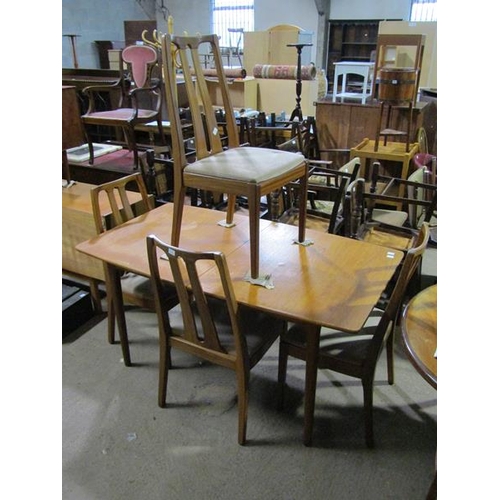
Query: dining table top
<point x="419" y="331"/>
<point x="334" y="281"/>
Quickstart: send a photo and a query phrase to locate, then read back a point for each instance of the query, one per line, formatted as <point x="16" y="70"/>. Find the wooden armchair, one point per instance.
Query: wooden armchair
<point x="219" y="331"/>
<point x="365" y="219"/>
<point x="234" y="170"/>
<point x="141" y="103"/>
<point x="136" y="289"/>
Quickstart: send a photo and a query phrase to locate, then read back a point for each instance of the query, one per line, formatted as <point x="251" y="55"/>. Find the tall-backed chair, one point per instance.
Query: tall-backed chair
<point x="140" y="104"/>
<point x="217" y="330"/>
<point x="136" y="289"/>
<point x="234" y="170"/>
<point x="356" y="354"/>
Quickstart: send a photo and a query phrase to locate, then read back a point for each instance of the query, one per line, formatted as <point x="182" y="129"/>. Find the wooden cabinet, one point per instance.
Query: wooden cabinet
<point x="345" y="125"/>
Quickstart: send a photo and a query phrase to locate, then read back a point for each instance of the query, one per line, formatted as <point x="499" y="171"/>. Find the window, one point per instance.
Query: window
<point x="231" y="14"/>
<point x="423" y="10"/>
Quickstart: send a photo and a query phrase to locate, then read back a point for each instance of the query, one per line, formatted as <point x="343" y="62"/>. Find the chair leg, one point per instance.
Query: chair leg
<point x="95" y="295"/>
<point x="368" y="410"/>
<point x="111" y="320"/>
<point x="303" y="206"/>
<point x="231" y="207"/>
<point x="132" y="145"/>
<point x="282" y="367"/>
<point x="91" y="147"/>
<point x="179" y="195"/>
<point x="390" y="355"/>
<point x="161" y="133"/>
<point x="165" y="363"/>
<point x="254" y="220"/>
<point x="242" y="377"/>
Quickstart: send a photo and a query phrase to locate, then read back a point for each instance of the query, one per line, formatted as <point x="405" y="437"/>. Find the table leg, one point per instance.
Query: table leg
<point x="115" y="289"/>
<point x="312" y="350"/>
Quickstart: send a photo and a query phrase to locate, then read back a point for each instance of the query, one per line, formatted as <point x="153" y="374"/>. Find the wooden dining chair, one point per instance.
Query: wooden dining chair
<point x="136" y="289"/>
<point x="141" y="103"/>
<point x="356" y="354"/>
<point x="322" y="178"/>
<point x="217" y="330"/>
<point x="234" y="170"/>
<point x="326" y="183"/>
<point x="324" y="201"/>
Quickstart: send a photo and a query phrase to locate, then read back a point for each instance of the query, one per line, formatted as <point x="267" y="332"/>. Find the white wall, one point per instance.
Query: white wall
<point x="370" y="9"/>
<point x="103" y="20"/>
<point x="94" y="20"/>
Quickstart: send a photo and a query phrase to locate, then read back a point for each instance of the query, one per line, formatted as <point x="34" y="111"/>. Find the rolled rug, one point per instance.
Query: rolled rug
<point x="284" y="72"/>
<point x="229" y="72"/>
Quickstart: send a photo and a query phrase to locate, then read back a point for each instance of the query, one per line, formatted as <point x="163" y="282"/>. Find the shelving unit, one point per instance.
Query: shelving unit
<point x="351" y="40"/>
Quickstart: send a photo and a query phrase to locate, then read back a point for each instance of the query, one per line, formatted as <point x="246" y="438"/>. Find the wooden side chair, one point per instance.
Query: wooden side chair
<point x="356" y="354"/>
<point x="250" y="172"/>
<point x="136" y="289"/>
<point x="217" y="330"/>
<point x="323" y="214"/>
<point x="140" y="104"/>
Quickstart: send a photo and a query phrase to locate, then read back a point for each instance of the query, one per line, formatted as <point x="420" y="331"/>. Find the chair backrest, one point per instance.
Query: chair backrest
<point x="422" y="140"/>
<point x="410" y="264"/>
<point x="207" y="135"/>
<point x="419" y="194"/>
<point x="118" y="198"/>
<point x="235" y="47"/>
<point x="351" y="168"/>
<point x="201" y="314"/>
<point x="141" y="59"/>
<point x="416" y="190"/>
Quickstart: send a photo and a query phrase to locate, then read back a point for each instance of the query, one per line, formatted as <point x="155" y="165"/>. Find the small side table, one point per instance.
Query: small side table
<point x="345" y="68"/>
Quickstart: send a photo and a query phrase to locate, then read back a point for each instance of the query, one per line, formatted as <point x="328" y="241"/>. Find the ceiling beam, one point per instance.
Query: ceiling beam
<point x="321" y="5"/>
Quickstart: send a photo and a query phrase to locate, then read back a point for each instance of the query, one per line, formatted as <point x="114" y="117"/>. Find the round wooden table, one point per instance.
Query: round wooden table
<point x="419" y="328"/>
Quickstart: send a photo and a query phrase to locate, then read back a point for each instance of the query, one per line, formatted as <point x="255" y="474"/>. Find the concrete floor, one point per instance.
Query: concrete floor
<point x="118" y="444"/>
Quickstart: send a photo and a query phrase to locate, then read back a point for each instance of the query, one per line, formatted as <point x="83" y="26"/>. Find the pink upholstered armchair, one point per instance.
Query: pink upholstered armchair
<point x="140" y="104"/>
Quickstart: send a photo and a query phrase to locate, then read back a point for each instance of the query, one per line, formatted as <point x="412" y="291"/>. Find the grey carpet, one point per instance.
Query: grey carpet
<point x="118" y="444"/>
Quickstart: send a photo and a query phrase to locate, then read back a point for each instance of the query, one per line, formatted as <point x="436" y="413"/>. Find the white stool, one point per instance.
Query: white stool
<point x="345" y="68"/>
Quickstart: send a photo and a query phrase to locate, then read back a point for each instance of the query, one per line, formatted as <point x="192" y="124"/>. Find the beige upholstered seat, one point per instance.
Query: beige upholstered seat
<point x="228" y="168"/>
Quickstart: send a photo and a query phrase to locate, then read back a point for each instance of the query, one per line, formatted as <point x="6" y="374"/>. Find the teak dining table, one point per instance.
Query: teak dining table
<point x="333" y="281"/>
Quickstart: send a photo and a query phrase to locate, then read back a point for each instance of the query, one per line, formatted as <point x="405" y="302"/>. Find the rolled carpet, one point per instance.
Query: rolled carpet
<point x="229" y="72"/>
<point x="285" y="72"/>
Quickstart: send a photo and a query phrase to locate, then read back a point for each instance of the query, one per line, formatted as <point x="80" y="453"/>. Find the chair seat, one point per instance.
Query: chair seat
<point x="392" y="217"/>
<point x="246" y="164"/>
<point x="255" y="326"/>
<point x="323" y="206"/>
<point x="121" y="114"/>
<point x="345" y="347"/>
<point x="137" y="290"/>
<point x="388" y="239"/>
